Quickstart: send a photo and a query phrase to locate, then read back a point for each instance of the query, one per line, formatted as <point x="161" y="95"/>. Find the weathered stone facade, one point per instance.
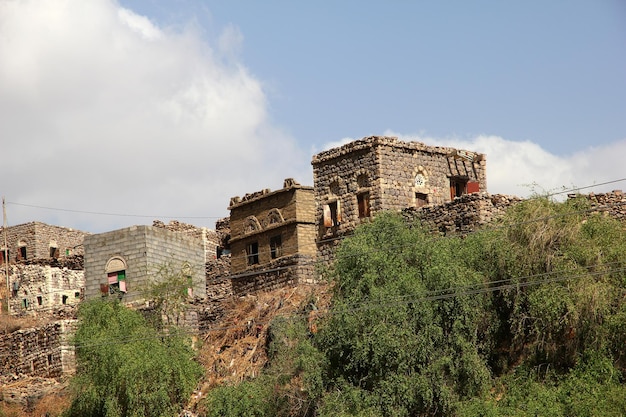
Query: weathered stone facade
<point x="43" y="288"/>
<point x="36" y="240"/>
<point x="124" y="262"/>
<point x="41" y="351"/>
<point x="361" y="178"/>
<point x="272" y="237"/>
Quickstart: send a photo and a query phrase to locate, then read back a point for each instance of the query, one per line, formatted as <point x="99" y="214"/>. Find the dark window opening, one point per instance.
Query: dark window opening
<point x="252" y="251"/>
<point x="76" y="295"/>
<point x="363" y="201"/>
<point x="421" y="199"/>
<point x="276" y="247"/>
<point x="332" y="214"/>
<point x="22" y="254"/>
<point x="54" y="252"/>
<point x="39" y="300"/>
<point x="24" y="303"/>
<point x="64" y="299"/>
<point x="458" y="187"/>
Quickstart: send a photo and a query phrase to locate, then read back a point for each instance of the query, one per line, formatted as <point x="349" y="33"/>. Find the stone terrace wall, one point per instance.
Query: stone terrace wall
<point x="286" y="271"/>
<point x="42" y="351"/>
<point x="463" y="215"/>
<point x="613" y="203"/>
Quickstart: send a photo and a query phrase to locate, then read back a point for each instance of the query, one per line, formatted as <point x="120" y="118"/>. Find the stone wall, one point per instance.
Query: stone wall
<point x="42" y="241"/>
<point x="463" y="215"/>
<point x="612" y="203"/>
<point x="43" y="288"/>
<point x="42" y="351"/>
<point x="286" y="271"/>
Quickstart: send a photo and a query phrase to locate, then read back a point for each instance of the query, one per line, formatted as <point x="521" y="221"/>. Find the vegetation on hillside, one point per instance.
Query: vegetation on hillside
<point x="125" y="367"/>
<point x="525" y="318"/>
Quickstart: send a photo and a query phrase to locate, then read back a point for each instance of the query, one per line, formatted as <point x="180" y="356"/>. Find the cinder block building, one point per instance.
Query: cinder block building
<point x="122" y="263"/>
<point x="272" y="237"/>
<point x="378" y="173"/>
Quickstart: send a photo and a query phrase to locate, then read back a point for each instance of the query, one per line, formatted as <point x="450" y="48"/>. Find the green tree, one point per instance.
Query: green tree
<point x="126" y="368"/>
<point x="401" y="350"/>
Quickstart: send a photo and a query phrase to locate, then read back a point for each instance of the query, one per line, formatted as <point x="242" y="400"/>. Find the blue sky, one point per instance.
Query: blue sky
<point x="145" y="109"/>
<point x="552" y="72"/>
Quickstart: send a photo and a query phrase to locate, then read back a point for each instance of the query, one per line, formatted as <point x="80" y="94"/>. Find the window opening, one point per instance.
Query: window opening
<point x="22" y="252"/>
<point x="24" y="303"/>
<point x="116" y="282"/>
<point x="252" y="251"/>
<point x="5" y="255"/>
<point x="64" y="299"/>
<point x="54" y="252"/>
<point x="39" y="300"/>
<point x="332" y="214"/>
<point x="421" y="199"/>
<point x="458" y="187"/>
<point x="76" y="295"/>
<point x="276" y="246"/>
<point x="363" y="201"/>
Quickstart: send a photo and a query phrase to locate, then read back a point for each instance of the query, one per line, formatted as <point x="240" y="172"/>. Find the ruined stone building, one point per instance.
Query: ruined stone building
<point x="45" y="266"/>
<point x="123" y="263"/>
<point x="378" y="173"/>
<point x="272" y="237"/>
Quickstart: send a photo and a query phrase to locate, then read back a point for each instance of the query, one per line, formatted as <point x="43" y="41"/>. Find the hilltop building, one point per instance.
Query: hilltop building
<point x="122" y="263"/>
<point x="44" y="264"/>
<point x="272" y="237"/>
<point x="378" y="173"/>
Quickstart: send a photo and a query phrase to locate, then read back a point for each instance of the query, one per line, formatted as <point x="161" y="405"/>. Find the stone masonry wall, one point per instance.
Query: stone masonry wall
<point x="612" y="203"/>
<point x="42" y="288"/>
<point x="39" y="237"/>
<point x="210" y="238"/>
<point x="42" y="351"/>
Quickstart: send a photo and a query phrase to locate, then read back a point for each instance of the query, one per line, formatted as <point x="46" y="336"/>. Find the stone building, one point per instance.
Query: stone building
<point x="272" y="237"/>
<point x="378" y="173"/>
<point x="123" y="263"/>
<point x="45" y="267"/>
<point x="36" y="240"/>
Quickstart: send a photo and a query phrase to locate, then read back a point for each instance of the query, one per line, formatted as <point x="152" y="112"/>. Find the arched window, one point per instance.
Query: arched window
<point x="274" y="216"/>
<point x="116" y="276"/>
<point x="251" y="224"/>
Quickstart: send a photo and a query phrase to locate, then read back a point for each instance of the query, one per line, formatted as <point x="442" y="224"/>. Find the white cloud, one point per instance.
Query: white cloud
<point x="101" y="110"/>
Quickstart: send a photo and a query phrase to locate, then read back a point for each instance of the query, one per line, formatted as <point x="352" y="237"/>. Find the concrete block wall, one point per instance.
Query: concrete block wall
<point x="144" y="249"/>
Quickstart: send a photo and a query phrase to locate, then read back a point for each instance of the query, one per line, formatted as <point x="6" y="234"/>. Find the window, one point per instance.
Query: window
<point x="54" y="252"/>
<point x="39" y="300"/>
<point x="363" y="201"/>
<point x="22" y="254"/>
<point x="332" y="214"/>
<point x="276" y="246"/>
<point x="421" y="199"/>
<point x="252" y="251"/>
<point x="458" y="187"/>
<point x="6" y="254"/>
<point x="64" y="299"/>
<point x="117" y="282"/>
